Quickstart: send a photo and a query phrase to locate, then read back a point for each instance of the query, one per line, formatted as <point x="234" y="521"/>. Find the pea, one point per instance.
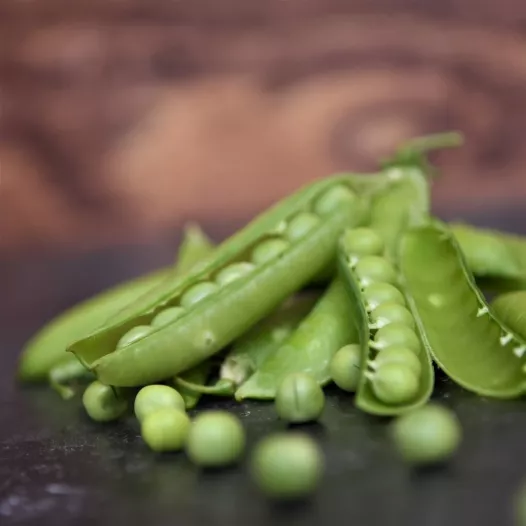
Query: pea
<point x="301" y="225"/>
<point x="154" y="397"/>
<point x="394" y="383"/>
<point x="165" y="429"/>
<point x="345" y="367"/>
<point x="396" y="334"/>
<point x="362" y="242"/>
<point x="133" y="335"/>
<point x="427" y="435"/>
<point x="376" y="294"/>
<point x="391" y="313"/>
<point x="102" y="403"/>
<point x="216" y="439"/>
<point x="287" y="466"/>
<point x="372" y="269"/>
<point x="197" y="293"/>
<point x="268" y="250"/>
<point x="167" y="316"/>
<point x="299" y="398"/>
<point x="333" y="198"/>
<point x="399" y="354"/>
<point x="233" y="272"/>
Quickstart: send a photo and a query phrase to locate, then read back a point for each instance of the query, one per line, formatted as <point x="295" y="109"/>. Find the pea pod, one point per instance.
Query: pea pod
<point x="213" y="320"/>
<point x="511" y="309"/>
<point x="491" y="254"/>
<point x="309" y="349"/>
<point x="62" y="375"/>
<point x="47" y="348"/>
<point x="475" y="349"/>
<point x="249" y="351"/>
<point x="198" y="375"/>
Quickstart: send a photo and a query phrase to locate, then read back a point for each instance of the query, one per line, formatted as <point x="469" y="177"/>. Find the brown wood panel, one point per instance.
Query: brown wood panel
<point x="120" y="120"/>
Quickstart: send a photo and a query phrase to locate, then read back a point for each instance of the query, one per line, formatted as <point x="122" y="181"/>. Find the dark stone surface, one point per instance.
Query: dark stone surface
<point x="57" y="467"/>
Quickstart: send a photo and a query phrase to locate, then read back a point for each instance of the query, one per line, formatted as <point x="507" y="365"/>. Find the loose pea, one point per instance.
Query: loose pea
<point x="345" y="367"/>
<point x="167" y="316"/>
<point x="394" y="383"/>
<point x="133" y="335"/>
<point x="363" y="242"/>
<point x="268" y="250"/>
<point x="165" y="429"/>
<point x="399" y="354"/>
<point x="392" y="313"/>
<point x="233" y="272"/>
<point x="197" y="293"/>
<point x="287" y="466"/>
<point x="371" y="269"/>
<point x="396" y="334"/>
<point x="154" y="397"/>
<point x="299" y="398"/>
<point x="301" y="225"/>
<point x="427" y="435"/>
<point x="333" y="198"/>
<point x="216" y="439"/>
<point x="102" y="403"/>
<point x="376" y="294"/>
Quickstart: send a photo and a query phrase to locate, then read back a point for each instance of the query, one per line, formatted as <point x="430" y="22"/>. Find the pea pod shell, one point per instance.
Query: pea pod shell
<point x="327" y="328"/>
<point x="475" y="349"/>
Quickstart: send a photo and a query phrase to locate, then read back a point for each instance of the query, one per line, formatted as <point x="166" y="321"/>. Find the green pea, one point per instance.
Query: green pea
<point x="102" y="403"/>
<point x="345" y="367"/>
<point x="197" y="293"/>
<point x="363" y="242"/>
<point x="167" y="316"/>
<point x="216" y="439"/>
<point x="287" y="466"/>
<point x="376" y="294"/>
<point x="233" y="272"/>
<point x="391" y="313"/>
<point x="154" y="397"/>
<point x="396" y="334"/>
<point x="301" y="225"/>
<point x="133" y="335"/>
<point x="334" y="198"/>
<point x="165" y="429"/>
<point x="371" y="269"/>
<point x="299" y="398"/>
<point x="427" y="435"/>
<point x="268" y="250"/>
<point x="394" y="383"/>
<point x="399" y="354"/>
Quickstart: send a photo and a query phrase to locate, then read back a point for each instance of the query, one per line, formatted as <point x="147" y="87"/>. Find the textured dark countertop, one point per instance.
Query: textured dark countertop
<point x="57" y="467"/>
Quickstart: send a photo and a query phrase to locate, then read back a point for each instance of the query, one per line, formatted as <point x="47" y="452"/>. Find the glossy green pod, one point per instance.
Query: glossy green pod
<point x="510" y="308"/>
<point x="309" y="349"/>
<point x="48" y="347"/>
<point x="217" y="320"/>
<point x="474" y="347"/>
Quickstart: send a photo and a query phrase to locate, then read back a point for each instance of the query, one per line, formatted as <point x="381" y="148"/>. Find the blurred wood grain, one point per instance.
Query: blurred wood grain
<point x="122" y="119"/>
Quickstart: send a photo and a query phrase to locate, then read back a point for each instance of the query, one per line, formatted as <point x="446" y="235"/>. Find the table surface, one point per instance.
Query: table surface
<point x="58" y="467"/>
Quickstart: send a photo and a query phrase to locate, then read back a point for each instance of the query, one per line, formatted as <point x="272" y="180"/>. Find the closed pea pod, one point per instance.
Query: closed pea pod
<point x="215" y="321"/>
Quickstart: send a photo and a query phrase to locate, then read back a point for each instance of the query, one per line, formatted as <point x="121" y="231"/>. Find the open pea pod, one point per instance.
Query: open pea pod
<point x="248" y="277"/>
<point x="510" y="308"/>
<point x="474" y="347"/>
<point x="252" y="348"/>
<point x="327" y="328"/>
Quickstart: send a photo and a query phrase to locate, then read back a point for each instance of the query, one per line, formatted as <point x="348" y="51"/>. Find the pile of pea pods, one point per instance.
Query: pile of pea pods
<point x="351" y="280"/>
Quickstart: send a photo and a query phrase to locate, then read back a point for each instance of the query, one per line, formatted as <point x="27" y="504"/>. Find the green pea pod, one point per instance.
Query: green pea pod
<point x="47" y="348"/>
<point x="214" y="314"/>
<point x="510" y="308"/>
<point x="62" y="375"/>
<point x="249" y="351"/>
<point x="309" y="349"/>
<point x="492" y="254"/>
<point x="476" y="349"/>
<point x="196" y="376"/>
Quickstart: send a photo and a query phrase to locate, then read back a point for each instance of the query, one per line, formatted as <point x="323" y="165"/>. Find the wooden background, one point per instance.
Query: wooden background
<point x="121" y="119"/>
